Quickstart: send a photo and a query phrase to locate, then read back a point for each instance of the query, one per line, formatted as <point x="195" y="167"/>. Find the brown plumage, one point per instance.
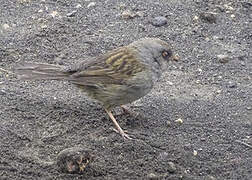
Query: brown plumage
<point x="116" y="78"/>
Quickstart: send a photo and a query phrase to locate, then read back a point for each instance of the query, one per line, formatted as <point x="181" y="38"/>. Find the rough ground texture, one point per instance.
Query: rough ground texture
<point x="213" y="99"/>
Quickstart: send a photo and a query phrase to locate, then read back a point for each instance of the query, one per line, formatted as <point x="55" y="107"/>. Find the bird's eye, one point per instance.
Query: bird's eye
<point x="166" y="54"/>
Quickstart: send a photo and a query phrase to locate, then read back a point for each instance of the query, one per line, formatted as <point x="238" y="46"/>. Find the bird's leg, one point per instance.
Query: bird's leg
<point x="126" y="110"/>
<point x="117" y="126"/>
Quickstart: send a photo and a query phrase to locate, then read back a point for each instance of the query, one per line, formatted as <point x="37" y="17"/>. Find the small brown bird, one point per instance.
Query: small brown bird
<point x="118" y="77"/>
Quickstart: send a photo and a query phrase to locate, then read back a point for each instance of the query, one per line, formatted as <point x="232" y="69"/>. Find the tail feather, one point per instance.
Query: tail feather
<point x="39" y="71"/>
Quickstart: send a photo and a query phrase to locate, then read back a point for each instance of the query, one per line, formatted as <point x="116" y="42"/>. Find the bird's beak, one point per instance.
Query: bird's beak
<point x="175" y="57"/>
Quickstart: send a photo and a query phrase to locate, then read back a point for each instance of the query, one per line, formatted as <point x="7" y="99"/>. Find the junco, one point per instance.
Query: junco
<point x="115" y="78"/>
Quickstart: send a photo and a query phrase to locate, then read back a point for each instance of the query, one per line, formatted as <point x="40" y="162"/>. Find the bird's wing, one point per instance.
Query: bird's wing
<point x="115" y="67"/>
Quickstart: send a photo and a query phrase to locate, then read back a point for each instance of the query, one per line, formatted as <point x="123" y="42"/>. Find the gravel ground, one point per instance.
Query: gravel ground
<point x="195" y="124"/>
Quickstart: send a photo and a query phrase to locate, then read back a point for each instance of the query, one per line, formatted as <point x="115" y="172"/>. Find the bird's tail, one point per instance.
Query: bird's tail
<point x="39" y="71"/>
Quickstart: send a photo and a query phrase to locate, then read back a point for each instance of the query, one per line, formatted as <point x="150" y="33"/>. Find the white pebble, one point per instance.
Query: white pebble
<point x="180" y="121"/>
<point x="195" y="153"/>
<point x="6" y="26"/>
<point x="54" y="13"/>
<point x="91" y="4"/>
<point x="78" y="6"/>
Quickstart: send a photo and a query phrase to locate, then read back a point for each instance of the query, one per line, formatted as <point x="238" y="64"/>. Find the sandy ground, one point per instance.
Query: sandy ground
<point x="210" y="94"/>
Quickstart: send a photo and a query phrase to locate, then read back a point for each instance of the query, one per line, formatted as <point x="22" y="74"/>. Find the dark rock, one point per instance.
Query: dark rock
<point x="73" y="160"/>
<point x="208" y="17"/>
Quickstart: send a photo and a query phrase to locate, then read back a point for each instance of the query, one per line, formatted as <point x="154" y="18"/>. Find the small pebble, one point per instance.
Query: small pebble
<point x="223" y="58"/>
<point x="195" y="153"/>
<point x="152" y="176"/>
<point x="208" y="17"/>
<point x="171" y="167"/>
<point x="195" y="18"/>
<point x="232" y="16"/>
<point x="6" y="26"/>
<point x="232" y="84"/>
<point x="159" y="21"/>
<point x="2" y="92"/>
<point x="209" y="177"/>
<point x="249" y="108"/>
<point x="92" y="4"/>
<point x="139" y="14"/>
<point x="54" y="13"/>
<point x="78" y="6"/>
<point x="226" y="6"/>
<point x="199" y="70"/>
<point x="176" y="57"/>
<point x="127" y="14"/>
<point x="180" y="121"/>
<point x="217" y="38"/>
<point x="170" y="83"/>
<point x="43" y="26"/>
<point x="197" y="82"/>
<point x="71" y="14"/>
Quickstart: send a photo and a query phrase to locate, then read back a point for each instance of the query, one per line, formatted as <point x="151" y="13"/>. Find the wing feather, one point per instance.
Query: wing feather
<point x="115" y="67"/>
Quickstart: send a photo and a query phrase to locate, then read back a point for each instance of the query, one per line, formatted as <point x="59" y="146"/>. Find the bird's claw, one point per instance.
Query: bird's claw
<point x="122" y="133"/>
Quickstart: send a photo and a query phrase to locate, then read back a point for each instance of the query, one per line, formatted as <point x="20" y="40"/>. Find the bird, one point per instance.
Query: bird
<point x="115" y="78"/>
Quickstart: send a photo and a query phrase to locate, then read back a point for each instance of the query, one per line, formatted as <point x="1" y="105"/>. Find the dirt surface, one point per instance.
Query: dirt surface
<point x="195" y="124"/>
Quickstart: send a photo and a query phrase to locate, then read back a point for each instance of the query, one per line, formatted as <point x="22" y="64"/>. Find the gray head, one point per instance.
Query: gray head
<point x="155" y="52"/>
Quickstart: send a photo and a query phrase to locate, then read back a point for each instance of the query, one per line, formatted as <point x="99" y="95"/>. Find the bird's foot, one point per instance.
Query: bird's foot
<point x="122" y="133"/>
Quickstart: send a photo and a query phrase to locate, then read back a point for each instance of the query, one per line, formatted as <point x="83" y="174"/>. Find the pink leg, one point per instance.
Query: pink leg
<point x="117" y="126"/>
